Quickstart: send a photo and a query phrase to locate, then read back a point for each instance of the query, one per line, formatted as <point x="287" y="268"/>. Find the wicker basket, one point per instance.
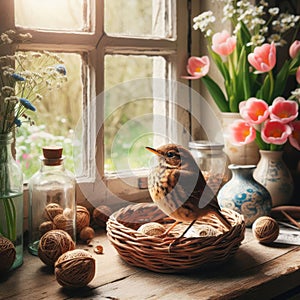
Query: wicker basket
<point x="154" y="253"/>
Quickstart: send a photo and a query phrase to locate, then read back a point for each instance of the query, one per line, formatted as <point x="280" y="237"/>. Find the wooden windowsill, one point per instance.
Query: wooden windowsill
<point x="254" y="272"/>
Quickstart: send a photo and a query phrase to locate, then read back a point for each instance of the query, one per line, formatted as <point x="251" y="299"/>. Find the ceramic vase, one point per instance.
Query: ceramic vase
<point x="239" y="155"/>
<point x="245" y="195"/>
<point x="273" y="173"/>
<point x="11" y="198"/>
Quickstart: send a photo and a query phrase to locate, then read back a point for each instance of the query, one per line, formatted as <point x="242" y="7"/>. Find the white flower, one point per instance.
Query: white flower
<point x="274" y="11"/>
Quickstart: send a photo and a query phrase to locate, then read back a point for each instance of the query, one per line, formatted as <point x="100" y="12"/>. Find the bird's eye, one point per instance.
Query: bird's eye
<point x="170" y="154"/>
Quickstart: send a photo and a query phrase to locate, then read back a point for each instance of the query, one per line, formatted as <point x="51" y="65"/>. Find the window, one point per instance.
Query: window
<point x="127" y="57"/>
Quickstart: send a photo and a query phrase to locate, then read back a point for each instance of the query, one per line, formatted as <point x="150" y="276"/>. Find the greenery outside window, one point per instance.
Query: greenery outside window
<point x="114" y="50"/>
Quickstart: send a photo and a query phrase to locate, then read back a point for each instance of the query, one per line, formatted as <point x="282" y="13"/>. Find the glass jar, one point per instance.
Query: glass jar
<point x="11" y="198"/>
<point x="51" y="198"/>
<point x="212" y="161"/>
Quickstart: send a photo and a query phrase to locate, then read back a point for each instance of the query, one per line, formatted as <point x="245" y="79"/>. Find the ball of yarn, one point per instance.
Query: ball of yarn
<point x="52" y="210"/>
<point x="7" y="254"/>
<point x="152" y="228"/>
<point x="62" y="222"/>
<point x="265" y="230"/>
<point x="75" y="268"/>
<point x="82" y="218"/>
<point x="53" y="244"/>
<point x="101" y="215"/>
<point x="46" y="226"/>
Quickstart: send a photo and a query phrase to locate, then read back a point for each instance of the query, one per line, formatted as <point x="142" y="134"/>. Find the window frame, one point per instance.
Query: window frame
<point x="95" y="186"/>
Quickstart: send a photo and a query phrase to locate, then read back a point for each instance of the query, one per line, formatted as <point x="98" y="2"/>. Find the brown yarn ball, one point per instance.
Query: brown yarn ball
<point x="101" y="215"/>
<point x="62" y="222"/>
<point x="75" y="268"/>
<point x="152" y="228"/>
<point x="7" y="254"/>
<point x="53" y="244"/>
<point x="52" y="210"/>
<point x="265" y="230"/>
<point x="87" y="233"/>
<point x="82" y="218"/>
<point x="46" y="226"/>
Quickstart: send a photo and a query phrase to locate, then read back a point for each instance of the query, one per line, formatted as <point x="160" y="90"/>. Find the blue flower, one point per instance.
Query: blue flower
<point x="18" y="122"/>
<point x="26" y="103"/>
<point x="61" y="69"/>
<point x="17" y="77"/>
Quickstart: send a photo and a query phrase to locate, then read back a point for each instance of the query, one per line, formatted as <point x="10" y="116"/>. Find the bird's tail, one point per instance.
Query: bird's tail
<point x="215" y="209"/>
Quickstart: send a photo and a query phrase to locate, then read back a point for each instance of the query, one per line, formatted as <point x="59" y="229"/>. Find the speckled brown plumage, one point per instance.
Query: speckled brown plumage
<point x="178" y="187"/>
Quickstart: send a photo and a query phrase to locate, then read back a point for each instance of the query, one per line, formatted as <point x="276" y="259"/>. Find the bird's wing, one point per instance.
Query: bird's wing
<point x="199" y="191"/>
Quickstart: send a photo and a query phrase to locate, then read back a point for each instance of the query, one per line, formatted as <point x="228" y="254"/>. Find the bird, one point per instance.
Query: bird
<point x="176" y="184"/>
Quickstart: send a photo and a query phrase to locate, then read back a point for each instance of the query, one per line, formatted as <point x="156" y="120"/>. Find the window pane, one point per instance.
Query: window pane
<point x="138" y="18"/>
<point x="128" y="126"/>
<point x="55" y="119"/>
<point x="54" y="14"/>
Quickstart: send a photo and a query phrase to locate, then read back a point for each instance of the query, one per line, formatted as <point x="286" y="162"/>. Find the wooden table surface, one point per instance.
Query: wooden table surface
<point x="254" y="272"/>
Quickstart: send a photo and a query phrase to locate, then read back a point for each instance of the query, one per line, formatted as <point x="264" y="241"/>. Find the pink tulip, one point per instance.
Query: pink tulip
<point x="275" y="132"/>
<point x="283" y="110"/>
<point x="197" y="67"/>
<point x="254" y="111"/>
<point x="223" y="43"/>
<point x="294" y="49"/>
<point x="294" y="138"/>
<point x="263" y="58"/>
<point x="242" y="133"/>
<point x="298" y="75"/>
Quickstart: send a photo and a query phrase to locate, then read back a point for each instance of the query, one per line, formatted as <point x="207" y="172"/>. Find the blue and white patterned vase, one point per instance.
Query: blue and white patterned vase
<point x="245" y="195"/>
<point x="274" y="175"/>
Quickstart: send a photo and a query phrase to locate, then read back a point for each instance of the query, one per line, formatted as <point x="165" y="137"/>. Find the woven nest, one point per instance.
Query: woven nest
<point x="154" y="252"/>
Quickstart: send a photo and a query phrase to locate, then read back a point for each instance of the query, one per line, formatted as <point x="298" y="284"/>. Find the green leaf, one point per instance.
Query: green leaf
<point x="220" y="65"/>
<point x="294" y="64"/>
<point x="244" y="76"/>
<point x="281" y="79"/>
<point x="264" y="92"/>
<point x="260" y="143"/>
<point x="216" y="93"/>
<point x="244" y="36"/>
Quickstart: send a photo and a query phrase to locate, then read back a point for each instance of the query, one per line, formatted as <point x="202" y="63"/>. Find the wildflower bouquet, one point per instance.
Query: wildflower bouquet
<point x="269" y="126"/>
<point x="247" y="58"/>
<point x="24" y="77"/>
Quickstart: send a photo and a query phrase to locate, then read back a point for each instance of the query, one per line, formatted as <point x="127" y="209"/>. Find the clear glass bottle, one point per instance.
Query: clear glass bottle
<point x="51" y="198"/>
<point x="212" y="161"/>
<point x="11" y="198"/>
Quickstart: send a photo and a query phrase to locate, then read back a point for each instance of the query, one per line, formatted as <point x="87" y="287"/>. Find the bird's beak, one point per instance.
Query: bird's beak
<point x="153" y="150"/>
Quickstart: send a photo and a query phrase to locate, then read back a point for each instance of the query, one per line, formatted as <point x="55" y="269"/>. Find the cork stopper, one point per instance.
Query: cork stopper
<point x="52" y="155"/>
